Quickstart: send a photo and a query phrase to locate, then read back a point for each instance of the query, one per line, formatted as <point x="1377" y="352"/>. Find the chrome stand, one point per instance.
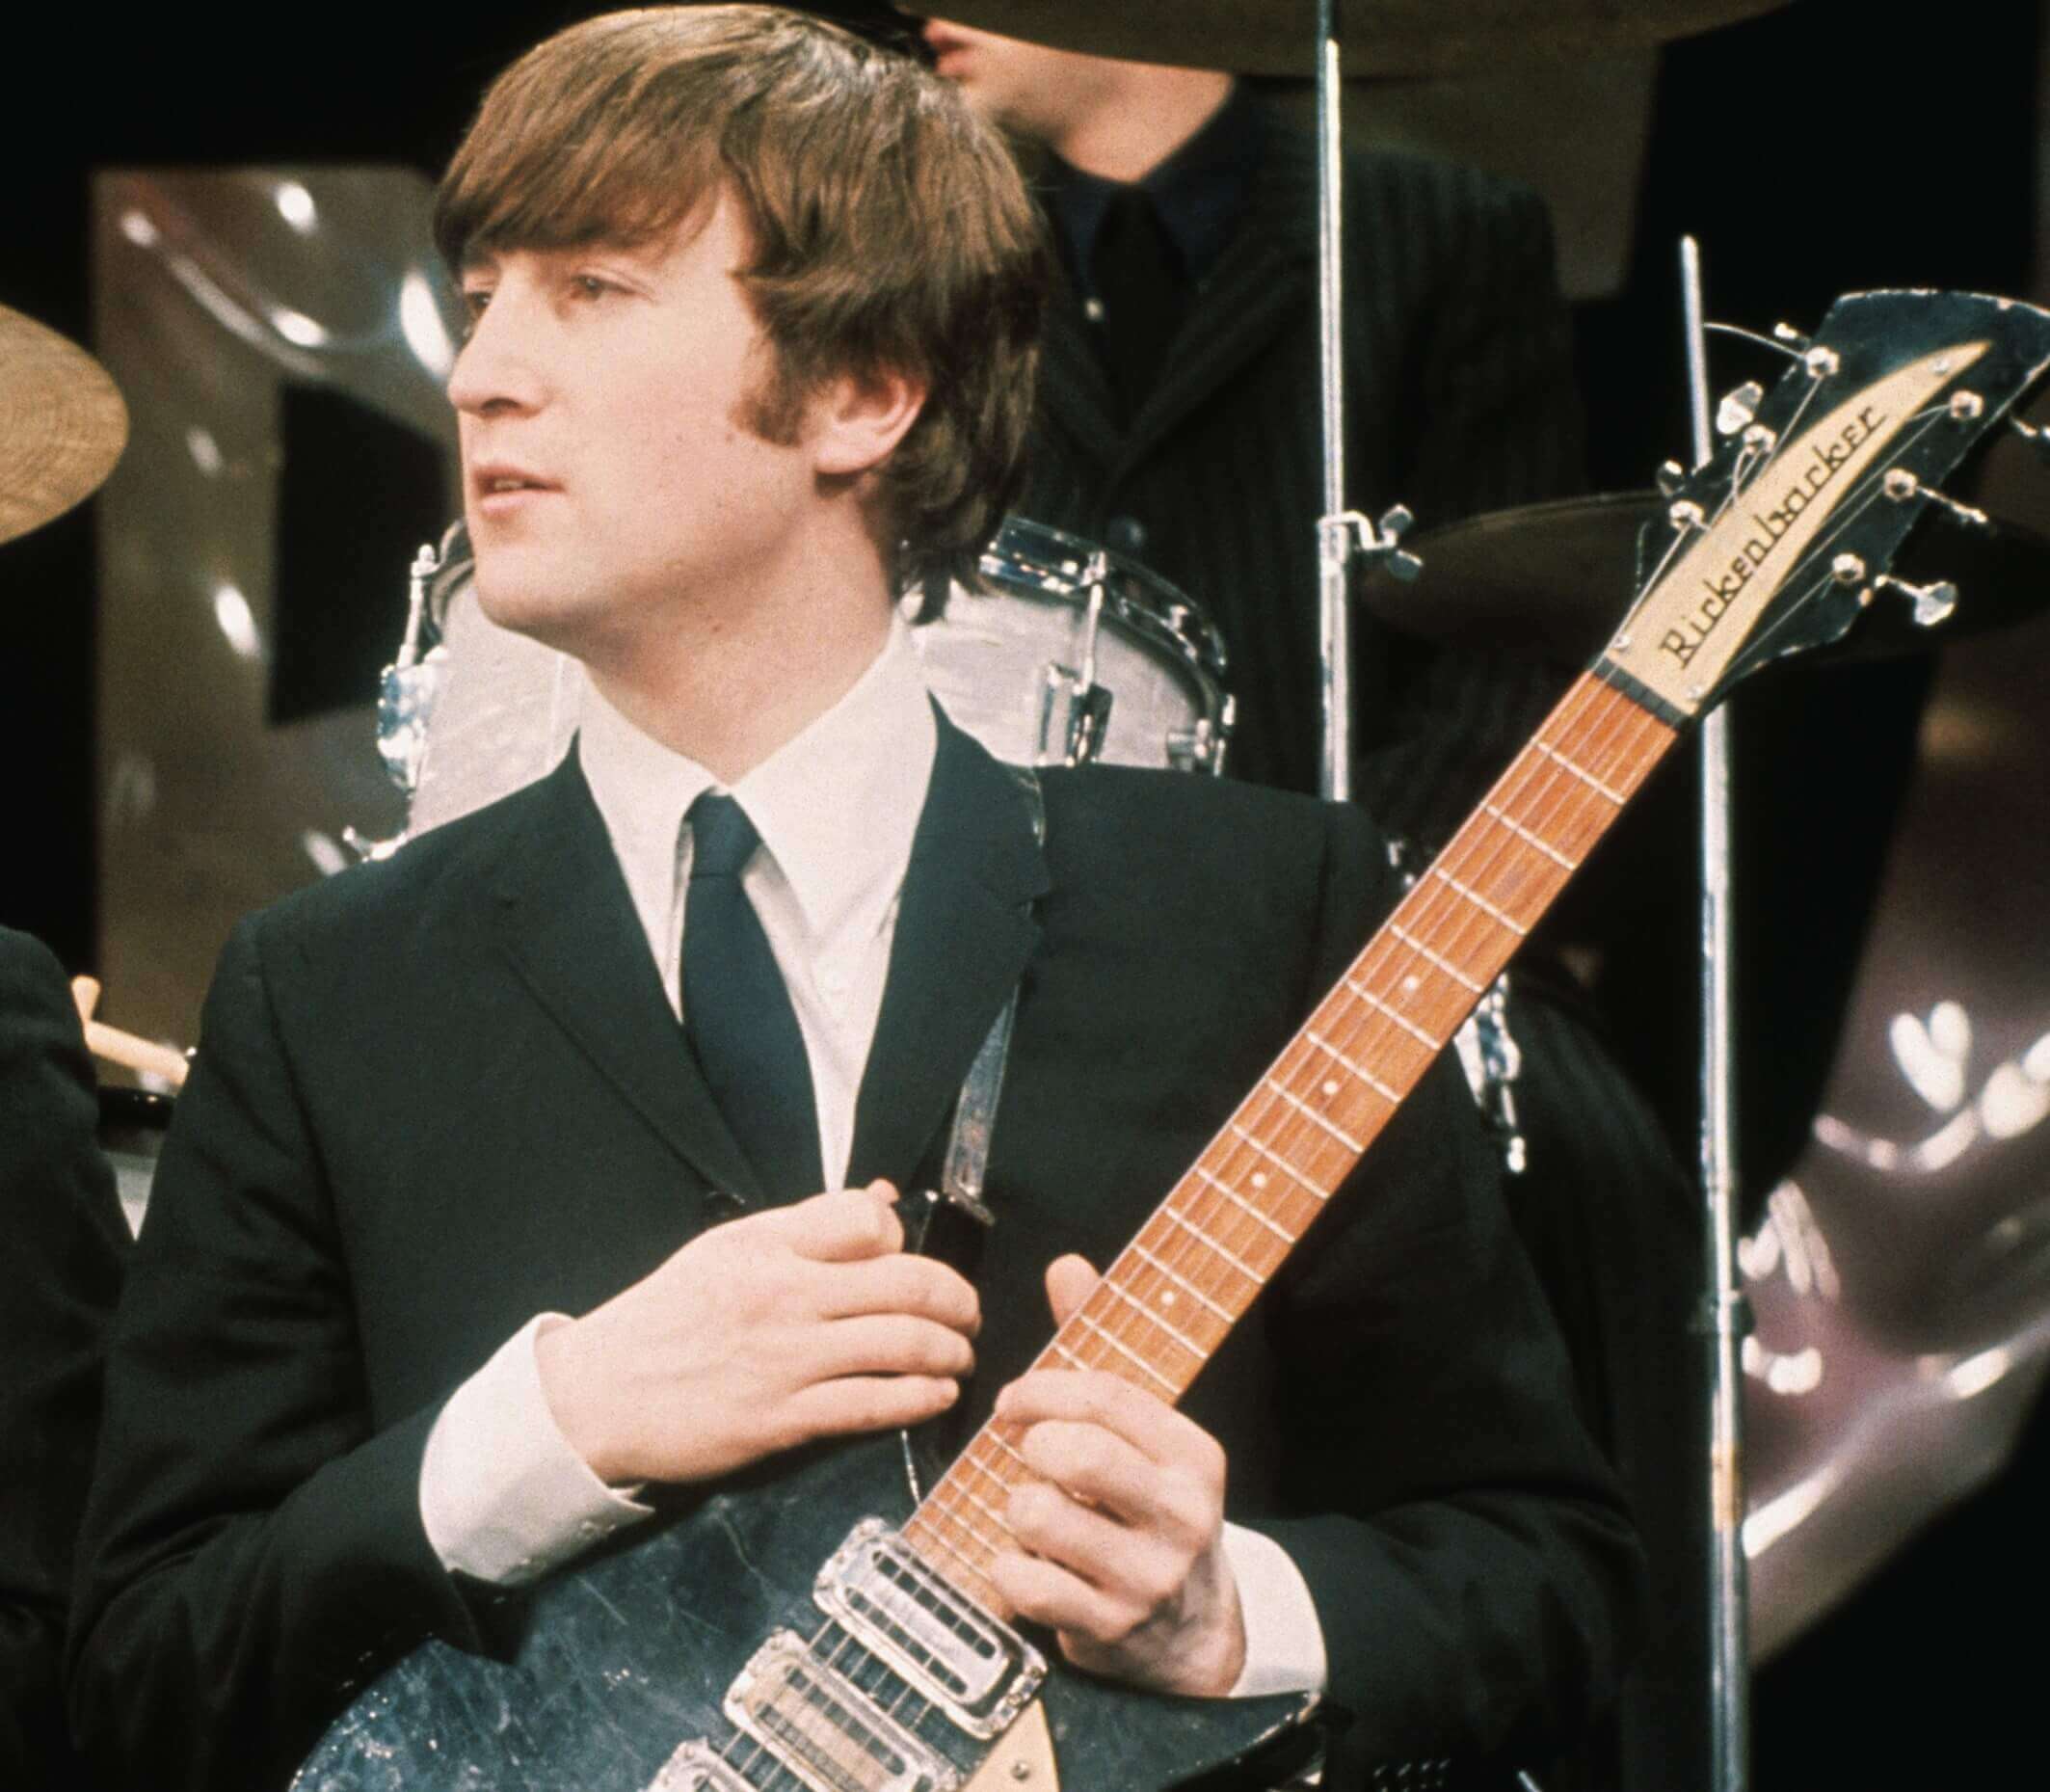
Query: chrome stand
<point x="1341" y="533"/>
<point x="1725" y="1314"/>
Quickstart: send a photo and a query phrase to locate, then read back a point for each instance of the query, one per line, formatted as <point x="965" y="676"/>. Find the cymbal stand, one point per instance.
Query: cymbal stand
<point x="1724" y="1315"/>
<point x="1341" y="534"/>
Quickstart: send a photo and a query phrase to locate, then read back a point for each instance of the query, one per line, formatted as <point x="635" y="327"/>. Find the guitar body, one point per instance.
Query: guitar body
<point x="624" y="1656"/>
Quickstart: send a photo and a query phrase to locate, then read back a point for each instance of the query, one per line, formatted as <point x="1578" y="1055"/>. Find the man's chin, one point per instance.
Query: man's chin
<point x="543" y="613"/>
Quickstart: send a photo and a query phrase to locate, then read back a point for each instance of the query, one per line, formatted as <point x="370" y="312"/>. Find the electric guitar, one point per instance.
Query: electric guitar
<point x="738" y="1650"/>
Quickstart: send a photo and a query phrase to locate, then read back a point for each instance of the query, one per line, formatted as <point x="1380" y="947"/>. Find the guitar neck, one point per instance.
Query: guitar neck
<point x="1174" y="1293"/>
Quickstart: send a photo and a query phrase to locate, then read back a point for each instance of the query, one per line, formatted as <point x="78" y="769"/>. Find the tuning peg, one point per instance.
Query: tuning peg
<point x="1738" y="408"/>
<point x="1670" y="478"/>
<point x="1791" y="337"/>
<point x="1932" y="602"/>
<point x="2036" y="438"/>
<point x="1901" y="486"/>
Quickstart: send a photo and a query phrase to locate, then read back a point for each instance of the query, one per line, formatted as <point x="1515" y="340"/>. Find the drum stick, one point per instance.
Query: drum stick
<point x="128" y="1050"/>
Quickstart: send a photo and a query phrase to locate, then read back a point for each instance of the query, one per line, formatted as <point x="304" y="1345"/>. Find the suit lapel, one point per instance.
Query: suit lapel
<point x="568" y="926"/>
<point x="1260" y="280"/>
<point x="964" y="932"/>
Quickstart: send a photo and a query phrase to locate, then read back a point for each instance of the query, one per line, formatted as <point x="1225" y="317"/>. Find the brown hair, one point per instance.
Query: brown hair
<point x="891" y="232"/>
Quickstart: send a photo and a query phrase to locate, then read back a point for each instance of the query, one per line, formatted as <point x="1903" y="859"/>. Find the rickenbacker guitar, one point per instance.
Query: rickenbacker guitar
<point x="738" y="1650"/>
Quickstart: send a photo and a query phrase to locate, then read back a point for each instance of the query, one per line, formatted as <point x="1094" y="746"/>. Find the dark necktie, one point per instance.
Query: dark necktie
<point x="1142" y="294"/>
<point x="737" y="1013"/>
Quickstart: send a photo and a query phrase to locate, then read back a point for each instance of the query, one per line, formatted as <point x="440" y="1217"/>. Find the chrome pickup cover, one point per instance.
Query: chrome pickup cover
<point x="825" y="1729"/>
<point x="977" y="1669"/>
<point x="694" y="1768"/>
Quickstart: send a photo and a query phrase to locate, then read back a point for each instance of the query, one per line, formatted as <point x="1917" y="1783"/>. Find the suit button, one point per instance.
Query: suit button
<point x="1126" y="535"/>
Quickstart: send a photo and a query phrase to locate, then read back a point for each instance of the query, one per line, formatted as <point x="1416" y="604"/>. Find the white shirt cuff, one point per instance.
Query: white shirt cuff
<point x="503" y="1496"/>
<point x="1284" y="1640"/>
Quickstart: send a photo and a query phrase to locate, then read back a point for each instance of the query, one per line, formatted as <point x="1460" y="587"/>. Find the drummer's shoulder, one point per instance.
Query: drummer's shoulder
<point x="1416" y="186"/>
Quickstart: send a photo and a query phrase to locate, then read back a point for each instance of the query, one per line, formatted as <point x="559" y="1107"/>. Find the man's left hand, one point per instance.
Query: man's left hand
<point x="1123" y="1535"/>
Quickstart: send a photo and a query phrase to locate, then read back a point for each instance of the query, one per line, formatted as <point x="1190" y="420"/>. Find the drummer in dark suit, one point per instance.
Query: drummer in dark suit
<point x="1178" y="423"/>
<point x="62" y="1243"/>
<point x="461" y="1243"/>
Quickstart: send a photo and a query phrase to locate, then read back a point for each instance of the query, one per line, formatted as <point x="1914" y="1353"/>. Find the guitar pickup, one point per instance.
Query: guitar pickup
<point x="821" y="1727"/>
<point x="976" y="1669"/>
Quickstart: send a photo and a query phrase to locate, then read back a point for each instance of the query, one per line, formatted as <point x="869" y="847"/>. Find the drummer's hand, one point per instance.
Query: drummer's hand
<point x="1122" y="1539"/>
<point x="766" y="1332"/>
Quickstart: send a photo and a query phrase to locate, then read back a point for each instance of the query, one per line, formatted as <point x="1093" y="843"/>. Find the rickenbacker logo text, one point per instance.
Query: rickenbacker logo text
<point x="1827" y="459"/>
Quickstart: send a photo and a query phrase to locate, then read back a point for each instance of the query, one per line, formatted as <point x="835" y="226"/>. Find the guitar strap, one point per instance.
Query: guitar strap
<point x="968" y="1145"/>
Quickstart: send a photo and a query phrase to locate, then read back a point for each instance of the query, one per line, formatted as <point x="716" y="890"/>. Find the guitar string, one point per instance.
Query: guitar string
<point x="1541" y="779"/>
<point x="1537" y="790"/>
<point x="1118" y="1325"/>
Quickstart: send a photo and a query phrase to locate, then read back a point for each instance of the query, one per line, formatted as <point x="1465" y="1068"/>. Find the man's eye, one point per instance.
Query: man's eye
<point x="591" y="286"/>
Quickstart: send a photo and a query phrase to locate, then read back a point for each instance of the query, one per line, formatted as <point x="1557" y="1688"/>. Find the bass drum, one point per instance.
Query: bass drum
<point x="1067" y="654"/>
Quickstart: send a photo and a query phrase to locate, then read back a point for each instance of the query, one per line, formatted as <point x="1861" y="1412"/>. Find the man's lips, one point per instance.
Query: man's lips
<point x="495" y="479"/>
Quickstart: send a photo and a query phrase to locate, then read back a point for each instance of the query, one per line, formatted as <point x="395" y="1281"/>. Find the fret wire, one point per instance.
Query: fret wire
<point x="1530" y="839"/>
<point x="1126" y="1350"/>
<point x="929" y="1511"/>
<point x="1400" y="1019"/>
<point x="1431" y="958"/>
<point x="1359" y="1072"/>
<point x="1239" y="1200"/>
<point x="981" y="1505"/>
<point x="1574" y="769"/>
<point x="1310" y="1114"/>
<point x="1479" y="900"/>
<point x="1187" y="1287"/>
<point x="1174" y="1331"/>
<point x="962" y="1524"/>
<point x="1246" y="1269"/>
<point x="1279" y="1161"/>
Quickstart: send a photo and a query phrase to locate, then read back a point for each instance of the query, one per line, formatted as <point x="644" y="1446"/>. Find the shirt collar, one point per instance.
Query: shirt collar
<point x="1198" y="193"/>
<point x="835" y="806"/>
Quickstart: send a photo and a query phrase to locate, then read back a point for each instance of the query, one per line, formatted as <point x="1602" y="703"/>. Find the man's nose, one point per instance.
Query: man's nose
<point x="497" y="369"/>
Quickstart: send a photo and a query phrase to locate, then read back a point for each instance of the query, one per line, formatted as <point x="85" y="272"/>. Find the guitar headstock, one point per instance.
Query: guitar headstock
<point x="1779" y="540"/>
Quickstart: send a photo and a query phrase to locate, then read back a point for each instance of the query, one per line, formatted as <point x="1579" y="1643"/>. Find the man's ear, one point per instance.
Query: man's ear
<point x="856" y="421"/>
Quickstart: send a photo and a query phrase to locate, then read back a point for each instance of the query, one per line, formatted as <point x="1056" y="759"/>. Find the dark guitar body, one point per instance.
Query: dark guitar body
<point x="624" y="1656"/>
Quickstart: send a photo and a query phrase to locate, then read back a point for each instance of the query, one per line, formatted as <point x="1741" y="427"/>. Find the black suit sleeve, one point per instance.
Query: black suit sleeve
<point x="253" y="1548"/>
<point x="1477" y="1579"/>
<point x="60" y="1272"/>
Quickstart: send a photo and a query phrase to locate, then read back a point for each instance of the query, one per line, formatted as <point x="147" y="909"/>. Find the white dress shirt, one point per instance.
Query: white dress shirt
<point x="503" y="1496"/>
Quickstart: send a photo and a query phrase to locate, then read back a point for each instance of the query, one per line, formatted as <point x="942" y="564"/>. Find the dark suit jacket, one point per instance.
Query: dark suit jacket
<point x="436" y="1096"/>
<point x="1459" y="398"/>
<point x="62" y="1246"/>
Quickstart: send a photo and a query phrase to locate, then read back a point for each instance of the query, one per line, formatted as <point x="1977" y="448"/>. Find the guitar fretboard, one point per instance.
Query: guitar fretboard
<point x="1177" y="1290"/>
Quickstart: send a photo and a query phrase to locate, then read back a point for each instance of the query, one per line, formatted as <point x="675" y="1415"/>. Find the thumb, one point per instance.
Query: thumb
<point x="1069" y="1281"/>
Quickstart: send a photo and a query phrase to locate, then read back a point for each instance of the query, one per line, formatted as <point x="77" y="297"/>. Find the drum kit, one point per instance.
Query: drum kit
<point x="1069" y="654"/>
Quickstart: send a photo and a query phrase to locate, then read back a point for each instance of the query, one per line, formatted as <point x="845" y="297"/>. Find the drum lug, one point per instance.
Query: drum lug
<point x="1074" y="712"/>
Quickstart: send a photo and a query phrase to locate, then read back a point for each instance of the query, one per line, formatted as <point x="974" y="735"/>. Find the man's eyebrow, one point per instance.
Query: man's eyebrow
<point x="476" y="262"/>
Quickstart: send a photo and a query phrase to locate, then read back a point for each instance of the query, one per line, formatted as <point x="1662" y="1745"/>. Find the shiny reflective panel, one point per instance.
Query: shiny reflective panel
<point x="226" y="299"/>
<point x="1902" y="1275"/>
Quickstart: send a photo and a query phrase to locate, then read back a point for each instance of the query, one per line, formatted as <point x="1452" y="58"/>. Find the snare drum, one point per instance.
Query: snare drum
<point x="1069" y="655"/>
<point x="1072" y="653"/>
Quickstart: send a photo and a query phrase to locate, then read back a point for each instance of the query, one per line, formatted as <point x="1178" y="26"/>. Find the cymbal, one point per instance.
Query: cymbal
<point x="63" y="424"/>
<point x="1389" y="37"/>
<point x="1554" y="579"/>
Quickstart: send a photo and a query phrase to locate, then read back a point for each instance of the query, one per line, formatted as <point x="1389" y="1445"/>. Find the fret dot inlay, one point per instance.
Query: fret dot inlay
<point x="1411" y="984"/>
<point x="1331" y="1089"/>
<point x="1259" y="1179"/>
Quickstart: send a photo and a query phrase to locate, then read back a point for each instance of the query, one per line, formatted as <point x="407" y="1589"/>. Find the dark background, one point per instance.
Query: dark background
<point x="1817" y="150"/>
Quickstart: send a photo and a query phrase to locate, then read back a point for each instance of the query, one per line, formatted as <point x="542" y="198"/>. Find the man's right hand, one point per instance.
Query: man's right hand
<point x="766" y="1332"/>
